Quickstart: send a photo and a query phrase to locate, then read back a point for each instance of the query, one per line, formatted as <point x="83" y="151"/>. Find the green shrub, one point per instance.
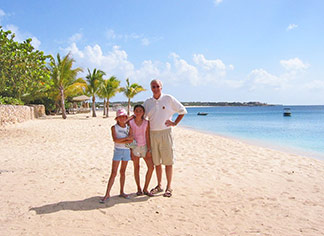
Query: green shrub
<point x="10" y="101"/>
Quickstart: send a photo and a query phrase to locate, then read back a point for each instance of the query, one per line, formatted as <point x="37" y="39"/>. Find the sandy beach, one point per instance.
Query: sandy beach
<point x="53" y="172"/>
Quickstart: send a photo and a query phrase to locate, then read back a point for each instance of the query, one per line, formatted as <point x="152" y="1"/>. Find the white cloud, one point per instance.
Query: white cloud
<point x="262" y="78"/>
<point x="145" y="42"/>
<point x="113" y="63"/>
<point x="147" y="72"/>
<point x="2" y="13"/>
<point x="217" y="2"/>
<point x="200" y="60"/>
<point x="35" y="42"/>
<point x="14" y="29"/>
<point x="76" y="37"/>
<point x="148" y="67"/>
<point x="21" y="36"/>
<point x="294" y="64"/>
<point x="291" y="27"/>
<point x="214" y="71"/>
<point x="315" y="84"/>
<point x="175" y="71"/>
<point x="110" y="34"/>
<point x="133" y="36"/>
<point x="234" y="83"/>
<point x="184" y="71"/>
<point x="216" y="66"/>
<point x="202" y="72"/>
<point x="74" y="50"/>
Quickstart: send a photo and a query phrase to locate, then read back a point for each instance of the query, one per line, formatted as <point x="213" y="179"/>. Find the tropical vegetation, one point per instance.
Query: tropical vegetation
<point x="24" y="76"/>
<point x="65" y="80"/>
<point x="109" y="88"/>
<point x="28" y="76"/>
<point x="94" y="81"/>
<point x="130" y="90"/>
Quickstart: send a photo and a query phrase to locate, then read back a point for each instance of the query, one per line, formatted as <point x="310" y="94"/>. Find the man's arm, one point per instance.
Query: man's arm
<point x="178" y="108"/>
<point x="174" y="123"/>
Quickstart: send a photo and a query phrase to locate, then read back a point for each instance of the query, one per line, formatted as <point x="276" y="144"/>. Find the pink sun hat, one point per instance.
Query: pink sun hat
<point x="121" y="112"/>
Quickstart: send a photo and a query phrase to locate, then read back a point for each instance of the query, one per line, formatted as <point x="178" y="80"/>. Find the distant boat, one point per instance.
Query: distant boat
<point x="287" y="112"/>
<point x="202" y="114"/>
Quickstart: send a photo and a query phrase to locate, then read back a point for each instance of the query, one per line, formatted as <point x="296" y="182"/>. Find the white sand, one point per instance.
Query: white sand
<point x="53" y="172"/>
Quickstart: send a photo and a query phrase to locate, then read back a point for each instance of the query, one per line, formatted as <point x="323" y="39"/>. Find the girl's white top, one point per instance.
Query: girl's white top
<point x="121" y="132"/>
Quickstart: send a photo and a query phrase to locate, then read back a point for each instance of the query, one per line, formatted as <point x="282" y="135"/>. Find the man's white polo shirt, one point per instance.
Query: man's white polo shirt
<point x="158" y="111"/>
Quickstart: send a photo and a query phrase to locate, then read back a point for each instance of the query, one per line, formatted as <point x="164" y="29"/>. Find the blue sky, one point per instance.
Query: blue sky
<point x="207" y="50"/>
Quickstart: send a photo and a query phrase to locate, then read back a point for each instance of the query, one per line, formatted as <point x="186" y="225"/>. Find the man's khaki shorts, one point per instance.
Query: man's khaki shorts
<point x="162" y="147"/>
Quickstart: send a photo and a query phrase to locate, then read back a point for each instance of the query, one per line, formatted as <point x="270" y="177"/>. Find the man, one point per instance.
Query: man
<point x="159" y="110"/>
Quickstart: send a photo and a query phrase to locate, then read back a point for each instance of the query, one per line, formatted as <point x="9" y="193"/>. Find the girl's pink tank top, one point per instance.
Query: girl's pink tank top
<point x="139" y="132"/>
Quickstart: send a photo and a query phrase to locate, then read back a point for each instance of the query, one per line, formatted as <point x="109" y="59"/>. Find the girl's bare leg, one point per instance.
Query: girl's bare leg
<point x="137" y="173"/>
<point x="112" y="177"/>
<point x="122" y="177"/>
<point x="150" y="168"/>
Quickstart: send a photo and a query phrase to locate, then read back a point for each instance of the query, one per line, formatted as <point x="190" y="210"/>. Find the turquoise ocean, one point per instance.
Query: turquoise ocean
<point x="302" y="133"/>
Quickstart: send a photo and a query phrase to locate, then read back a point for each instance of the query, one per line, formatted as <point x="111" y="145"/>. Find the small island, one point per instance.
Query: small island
<point x="198" y="104"/>
<point x="223" y="104"/>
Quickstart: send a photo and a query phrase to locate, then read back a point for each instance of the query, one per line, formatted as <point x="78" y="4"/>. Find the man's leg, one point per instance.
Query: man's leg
<point x="168" y="172"/>
<point x="156" y="157"/>
<point x="158" y="170"/>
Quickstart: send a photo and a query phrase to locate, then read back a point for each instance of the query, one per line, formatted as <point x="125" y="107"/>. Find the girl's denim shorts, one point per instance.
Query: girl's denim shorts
<point x="121" y="154"/>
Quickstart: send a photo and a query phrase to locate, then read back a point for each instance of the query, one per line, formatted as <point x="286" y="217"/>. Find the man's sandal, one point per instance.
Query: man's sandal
<point x="168" y="193"/>
<point x="157" y="189"/>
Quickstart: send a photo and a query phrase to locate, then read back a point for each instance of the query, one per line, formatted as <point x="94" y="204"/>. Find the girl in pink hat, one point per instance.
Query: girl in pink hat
<point x="121" y="136"/>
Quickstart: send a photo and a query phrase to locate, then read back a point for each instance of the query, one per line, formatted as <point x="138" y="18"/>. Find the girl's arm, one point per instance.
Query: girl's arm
<point x="118" y="140"/>
<point x="129" y="119"/>
<point x="130" y="137"/>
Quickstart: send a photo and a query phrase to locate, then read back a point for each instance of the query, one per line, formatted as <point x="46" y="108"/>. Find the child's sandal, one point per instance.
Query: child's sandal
<point x="157" y="189"/>
<point x="149" y="194"/>
<point x="139" y="193"/>
<point x="168" y="193"/>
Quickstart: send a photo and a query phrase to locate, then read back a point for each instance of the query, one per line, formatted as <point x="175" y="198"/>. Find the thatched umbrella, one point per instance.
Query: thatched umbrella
<point x="81" y="98"/>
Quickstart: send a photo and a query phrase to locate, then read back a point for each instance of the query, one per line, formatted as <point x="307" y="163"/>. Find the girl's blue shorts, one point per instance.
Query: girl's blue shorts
<point x="121" y="154"/>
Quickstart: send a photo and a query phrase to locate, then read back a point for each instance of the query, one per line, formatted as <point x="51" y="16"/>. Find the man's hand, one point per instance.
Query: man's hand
<point x="170" y="123"/>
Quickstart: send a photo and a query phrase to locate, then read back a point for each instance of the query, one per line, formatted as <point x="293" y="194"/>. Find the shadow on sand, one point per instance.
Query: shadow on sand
<point x="87" y="204"/>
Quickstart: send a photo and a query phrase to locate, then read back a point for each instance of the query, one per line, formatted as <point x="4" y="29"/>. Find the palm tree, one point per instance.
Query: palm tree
<point x="130" y="91"/>
<point x="65" y="78"/>
<point x="109" y="89"/>
<point x="94" y="80"/>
